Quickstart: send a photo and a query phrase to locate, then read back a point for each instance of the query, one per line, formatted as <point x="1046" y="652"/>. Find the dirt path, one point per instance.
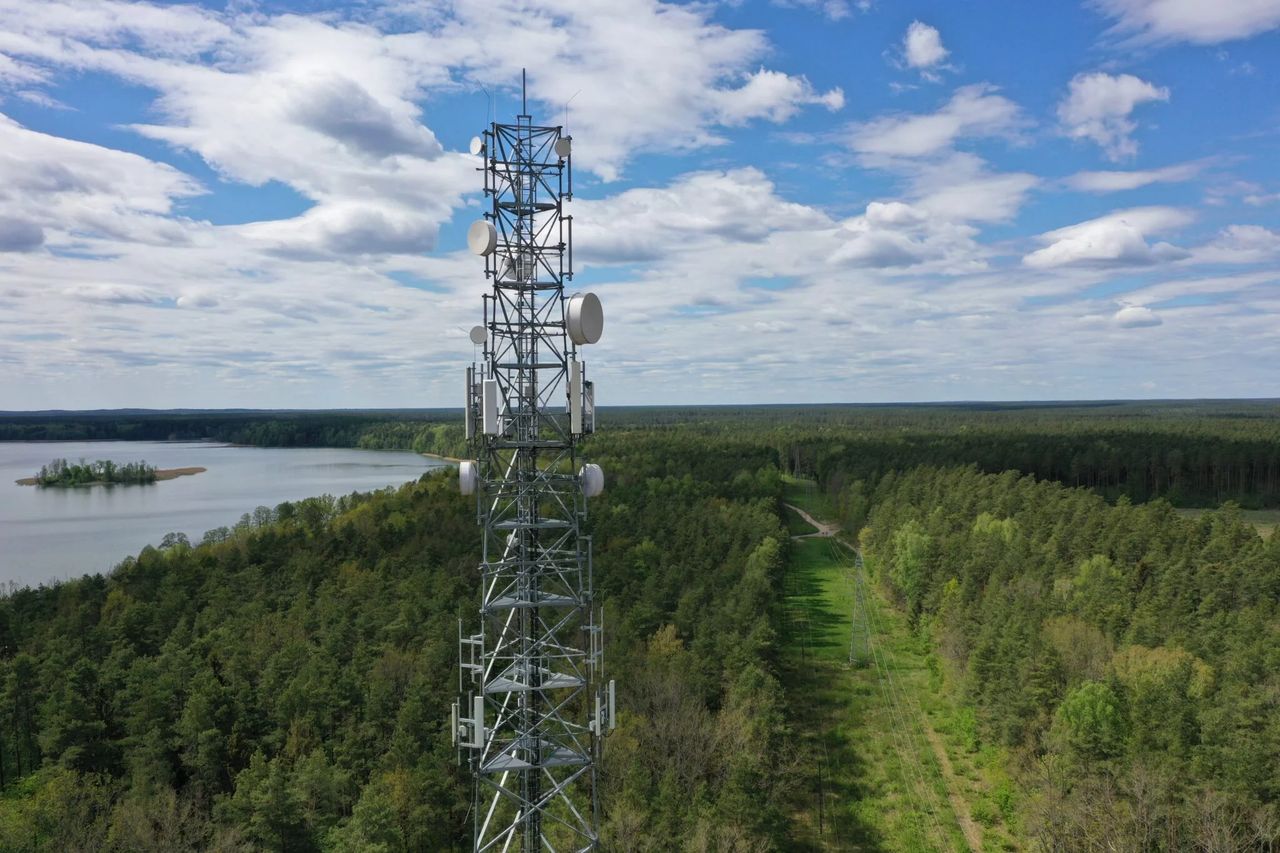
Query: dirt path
<point x="824" y="529"/>
<point x="972" y="832"/>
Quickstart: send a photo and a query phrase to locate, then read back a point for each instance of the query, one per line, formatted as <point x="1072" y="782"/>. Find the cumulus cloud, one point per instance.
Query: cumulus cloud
<point x="735" y="206"/>
<point x="774" y="96"/>
<point x="1241" y="244"/>
<point x="922" y="48"/>
<point x="330" y="106"/>
<point x="1191" y="20"/>
<point x="1117" y="239"/>
<point x="1118" y="181"/>
<point x="962" y="188"/>
<point x="56" y="186"/>
<point x="643" y="75"/>
<point x="892" y="235"/>
<point x="973" y="111"/>
<point x="1098" y="105"/>
<point x="1136" y="317"/>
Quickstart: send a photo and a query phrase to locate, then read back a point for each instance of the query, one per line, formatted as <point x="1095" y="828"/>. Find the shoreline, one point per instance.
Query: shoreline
<point x="161" y="474"/>
<point x="452" y="459"/>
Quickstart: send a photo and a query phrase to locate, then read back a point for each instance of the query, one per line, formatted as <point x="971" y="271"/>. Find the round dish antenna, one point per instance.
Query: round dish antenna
<point x="563" y="146"/>
<point x="478" y="334"/>
<point x="584" y="318"/>
<point x="592" y="480"/>
<point x="482" y="237"/>
<point x="477" y="145"/>
<point x="468" y="476"/>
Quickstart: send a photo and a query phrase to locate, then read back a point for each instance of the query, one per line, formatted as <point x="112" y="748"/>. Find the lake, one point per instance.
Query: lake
<point x="55" y="533"/>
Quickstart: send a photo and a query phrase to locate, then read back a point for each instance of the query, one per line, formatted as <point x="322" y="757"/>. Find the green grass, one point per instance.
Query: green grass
<point x="875" y="790"/>
<point x="806" y="495"/>
<point x="873" y="780"/>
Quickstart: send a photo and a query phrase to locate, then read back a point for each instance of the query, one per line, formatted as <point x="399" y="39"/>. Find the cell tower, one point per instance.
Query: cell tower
<point x="536" y="705"/>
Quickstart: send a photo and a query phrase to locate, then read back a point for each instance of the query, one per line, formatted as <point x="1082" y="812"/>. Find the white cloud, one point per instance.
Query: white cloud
<point x="62" y="190"/>
<point x="1118" y="181"/>
<point x="1241" y="244"/>
<point x="973" y="111"/>
<point x="1195" y="21"/>
<point x="962" y="188"/>
<point x="263" y="97"/>
<point x="1136" y="317"/>
<point x="1261" y="199"/>
<point x="643" y="75"/>
<point x="736" y="206"/>
<point x="774" y="96"/>
<point x="922" y="47"/>
<point x="1117" y="239"/>
<point x="835" y="10"/>
<point x="895" y="235"/>
<point x="1098" y="105"/>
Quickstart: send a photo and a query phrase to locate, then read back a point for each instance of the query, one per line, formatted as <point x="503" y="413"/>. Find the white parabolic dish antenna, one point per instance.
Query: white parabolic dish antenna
<point x="584" y="318"/>
<point x="469" y="475"/>
<point x="477" y="334"/>
<point x="482" y="237"/>
<point x="563" y="146"/>
<point x="477" y="145"/>
<point x="592" y="480"/>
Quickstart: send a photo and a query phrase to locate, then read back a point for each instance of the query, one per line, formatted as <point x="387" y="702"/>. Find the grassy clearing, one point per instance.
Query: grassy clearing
<point x="1265" y="520"/>
<point x="806" y="495"/>
<point x="866" y="709"/>
<point x="874" y="782"/>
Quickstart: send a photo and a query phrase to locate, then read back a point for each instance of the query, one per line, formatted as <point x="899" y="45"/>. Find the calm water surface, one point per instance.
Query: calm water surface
<point x="55" y="533"/>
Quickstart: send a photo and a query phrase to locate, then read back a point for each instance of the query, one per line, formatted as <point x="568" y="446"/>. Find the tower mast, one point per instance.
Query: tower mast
<point x="537" y="706"/>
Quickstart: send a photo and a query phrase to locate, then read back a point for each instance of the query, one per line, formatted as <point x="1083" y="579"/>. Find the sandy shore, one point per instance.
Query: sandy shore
<point x="452" y="459"/>
<point x="161" y="474"/>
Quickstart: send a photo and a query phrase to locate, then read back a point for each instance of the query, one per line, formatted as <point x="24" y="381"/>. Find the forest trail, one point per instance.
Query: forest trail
<point x="972" y="832"/>
<point x="823" y="528"/>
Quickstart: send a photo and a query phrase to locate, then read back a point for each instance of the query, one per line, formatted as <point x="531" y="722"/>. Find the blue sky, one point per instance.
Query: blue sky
<point x="263" y="204"/>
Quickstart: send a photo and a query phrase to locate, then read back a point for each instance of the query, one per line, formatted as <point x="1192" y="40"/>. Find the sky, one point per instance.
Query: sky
<point x="264" y="204"/>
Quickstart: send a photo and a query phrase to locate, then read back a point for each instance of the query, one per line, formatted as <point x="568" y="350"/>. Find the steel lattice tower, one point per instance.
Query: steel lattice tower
<point x="537" y="706"/>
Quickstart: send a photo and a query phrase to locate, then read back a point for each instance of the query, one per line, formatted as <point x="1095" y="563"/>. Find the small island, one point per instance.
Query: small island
<point x="102" y="472"/>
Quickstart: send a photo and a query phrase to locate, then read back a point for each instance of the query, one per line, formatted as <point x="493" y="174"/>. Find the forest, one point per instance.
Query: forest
<point x="284" y="684"/>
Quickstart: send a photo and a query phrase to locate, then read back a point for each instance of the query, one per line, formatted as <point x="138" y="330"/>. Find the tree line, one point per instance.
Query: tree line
<point x="61" y="473"/>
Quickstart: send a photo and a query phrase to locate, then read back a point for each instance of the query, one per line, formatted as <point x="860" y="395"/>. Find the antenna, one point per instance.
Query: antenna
<point x="566" y="108"/>
<point x="534" y="707"/>
<point x="524" y="93"/>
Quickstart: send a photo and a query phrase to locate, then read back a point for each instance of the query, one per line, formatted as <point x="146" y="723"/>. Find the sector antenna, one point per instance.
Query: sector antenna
<point x="534" y="704"/>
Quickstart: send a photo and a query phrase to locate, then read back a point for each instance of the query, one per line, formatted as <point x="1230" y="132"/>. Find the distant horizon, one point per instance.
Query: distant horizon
<point x="126" y="410"/>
